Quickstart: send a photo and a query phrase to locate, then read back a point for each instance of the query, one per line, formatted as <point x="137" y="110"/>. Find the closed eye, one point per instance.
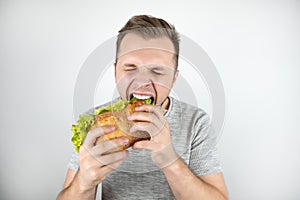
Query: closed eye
<point x="129" y="67"/>
<point x="157" y="72"/>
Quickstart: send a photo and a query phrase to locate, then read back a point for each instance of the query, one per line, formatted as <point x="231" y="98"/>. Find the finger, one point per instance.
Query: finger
<point x="95" y="133"/>
<point x="147" y="117"/>
<point x="157" y="110"/>
<point x="112" y="157"/>
<point x="141" y="116"/>
<point x="156" y="115"/>
<point x="108" y="168"/>
<point x="162" y="155"/>
<point x="157" y="122"/>
<point x="145" y="126"/>
<point x="108" y="145"/>
<point x="145" y="144"/>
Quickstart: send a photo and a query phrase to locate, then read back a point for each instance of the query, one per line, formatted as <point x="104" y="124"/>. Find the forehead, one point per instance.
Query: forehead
<point x="133" y="42"/>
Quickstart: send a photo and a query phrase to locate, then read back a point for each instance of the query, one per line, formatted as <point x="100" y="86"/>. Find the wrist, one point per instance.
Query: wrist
<point x="81" y="186"/>
<point x="165" y="157"/>
<point x="173" y="167"/>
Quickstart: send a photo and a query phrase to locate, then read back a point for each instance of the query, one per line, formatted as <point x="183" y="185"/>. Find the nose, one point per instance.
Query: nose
<point x="143" y="78"/>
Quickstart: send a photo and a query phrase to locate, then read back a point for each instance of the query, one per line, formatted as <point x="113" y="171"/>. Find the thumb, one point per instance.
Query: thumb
<point x="145" y="144"/>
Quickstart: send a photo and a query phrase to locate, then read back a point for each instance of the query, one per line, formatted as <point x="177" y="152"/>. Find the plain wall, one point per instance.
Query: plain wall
<point x="254" y="45"/>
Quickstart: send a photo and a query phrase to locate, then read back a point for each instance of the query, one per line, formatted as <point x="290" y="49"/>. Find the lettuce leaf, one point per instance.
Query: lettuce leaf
<point x="147" y="101"/>
<point x="80" y="130"/>
<point x="119" y="105"/>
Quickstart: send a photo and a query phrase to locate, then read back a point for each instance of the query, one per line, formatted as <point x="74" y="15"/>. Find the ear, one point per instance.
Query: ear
<point x="115" y="65"/>
<point x="175" y="77"/>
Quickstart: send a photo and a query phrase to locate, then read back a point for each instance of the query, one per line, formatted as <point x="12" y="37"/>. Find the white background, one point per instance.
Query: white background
<point x="255" y="46"/>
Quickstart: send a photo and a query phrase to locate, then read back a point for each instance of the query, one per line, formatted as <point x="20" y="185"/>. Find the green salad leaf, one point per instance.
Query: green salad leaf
<point x="147" y="101"/>
<point x="119" y="105"/>
<point x="80" y="130"/>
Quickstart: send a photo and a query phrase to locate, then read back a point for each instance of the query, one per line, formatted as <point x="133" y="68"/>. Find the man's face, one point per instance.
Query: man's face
<point x="145" y="68"/>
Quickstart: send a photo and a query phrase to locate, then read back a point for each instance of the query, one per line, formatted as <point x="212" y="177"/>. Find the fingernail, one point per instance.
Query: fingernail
<point x="137" y="108"/>
<point x="125" y="140"/>
<point x="136" y="146"/>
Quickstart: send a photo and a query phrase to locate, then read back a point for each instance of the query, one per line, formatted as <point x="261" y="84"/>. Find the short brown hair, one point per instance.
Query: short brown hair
<point x="150" y="27"/>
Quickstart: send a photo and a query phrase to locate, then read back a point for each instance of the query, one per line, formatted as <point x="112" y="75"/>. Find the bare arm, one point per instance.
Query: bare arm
<point x="72" y="190"/>
<point x="185" y="185"/>
<point x="95" y="164"/>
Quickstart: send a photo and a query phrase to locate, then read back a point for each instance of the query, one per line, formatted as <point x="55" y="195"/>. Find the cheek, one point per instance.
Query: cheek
<point x="165" y="83"/>
<point x="119" y="80"/>
<point x="162" y="90"/>
<point x="122" y="82"/>
<point x="120" y="77"/>
<point x="123" y="79"/>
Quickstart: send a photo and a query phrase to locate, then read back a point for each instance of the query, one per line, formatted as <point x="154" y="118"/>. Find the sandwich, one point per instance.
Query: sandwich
<point x="116" y="115"/>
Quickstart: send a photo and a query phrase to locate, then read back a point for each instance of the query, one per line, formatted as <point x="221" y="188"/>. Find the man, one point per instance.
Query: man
<point x="179" y="161"/>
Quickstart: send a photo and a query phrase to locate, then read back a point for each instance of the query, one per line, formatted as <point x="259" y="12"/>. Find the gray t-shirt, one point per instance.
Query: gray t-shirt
<point x="139" y="178"/>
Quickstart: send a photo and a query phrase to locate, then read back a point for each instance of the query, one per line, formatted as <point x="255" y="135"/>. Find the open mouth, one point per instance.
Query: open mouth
<point x="142" y="97"/>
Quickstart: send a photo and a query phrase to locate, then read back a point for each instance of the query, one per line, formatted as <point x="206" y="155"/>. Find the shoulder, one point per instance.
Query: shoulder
<point x="187" y="112"/>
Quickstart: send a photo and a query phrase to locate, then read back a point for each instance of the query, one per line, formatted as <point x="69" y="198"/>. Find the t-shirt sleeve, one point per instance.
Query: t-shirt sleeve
<point x="204" y="157"/>
<point x="74" y="161"/>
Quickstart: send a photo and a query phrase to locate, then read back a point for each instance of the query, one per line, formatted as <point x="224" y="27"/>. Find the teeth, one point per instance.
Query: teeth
<point x="141" y="96"/>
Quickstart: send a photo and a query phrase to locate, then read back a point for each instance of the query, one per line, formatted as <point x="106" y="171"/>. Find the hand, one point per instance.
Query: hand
<point x="95" y="160"/>
<point x="150" y="118"/>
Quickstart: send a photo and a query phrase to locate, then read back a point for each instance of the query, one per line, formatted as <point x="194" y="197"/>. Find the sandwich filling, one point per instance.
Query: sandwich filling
<point x="85" y="121"/>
